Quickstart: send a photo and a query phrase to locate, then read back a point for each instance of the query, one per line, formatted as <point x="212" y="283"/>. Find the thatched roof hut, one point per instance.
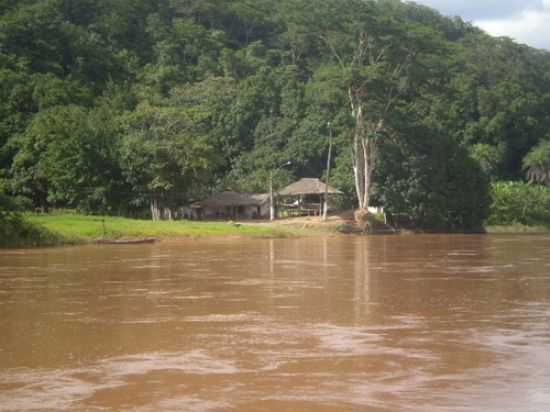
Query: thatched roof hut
<point x="307" y="186"/>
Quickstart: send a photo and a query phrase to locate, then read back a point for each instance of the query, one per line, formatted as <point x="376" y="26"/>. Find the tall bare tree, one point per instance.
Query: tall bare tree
<point x="374" y="57"/>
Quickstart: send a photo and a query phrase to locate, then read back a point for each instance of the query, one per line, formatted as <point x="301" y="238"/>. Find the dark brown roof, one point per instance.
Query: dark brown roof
<point x="224" y="199"/>
<point x="307" y="186"/>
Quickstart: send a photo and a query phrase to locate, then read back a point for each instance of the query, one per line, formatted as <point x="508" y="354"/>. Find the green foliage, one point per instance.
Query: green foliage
<point x="166" y="152"/>
<point x="489" y="157"/>
<point x="68" y="156"/>
<point x="537" y="163"/>
<point x="105" y="105"/>
<point x="15" y="231"/>
<point x="519" y="203"/>
<point x="8" y="209"/>
<point x="434" y="183"/>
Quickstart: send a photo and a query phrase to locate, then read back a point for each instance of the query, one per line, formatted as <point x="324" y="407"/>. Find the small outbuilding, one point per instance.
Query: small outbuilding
<point x="306" y="196"/>
<point x="232" y="205"/>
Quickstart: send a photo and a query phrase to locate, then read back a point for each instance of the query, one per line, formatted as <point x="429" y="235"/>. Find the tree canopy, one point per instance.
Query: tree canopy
<point x="112" y="106"/>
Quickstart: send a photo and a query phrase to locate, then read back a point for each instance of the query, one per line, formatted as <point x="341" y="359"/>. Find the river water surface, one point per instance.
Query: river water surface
<point x="403" y="323"/>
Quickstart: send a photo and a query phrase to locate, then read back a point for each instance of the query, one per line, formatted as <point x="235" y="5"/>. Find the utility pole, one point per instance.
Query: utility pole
<point x="325" y="210"/>
<point x="271" y="199"/>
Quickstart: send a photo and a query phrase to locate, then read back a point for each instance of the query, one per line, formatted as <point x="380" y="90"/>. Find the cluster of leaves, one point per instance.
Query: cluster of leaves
<point x="106" y="105"/>
<point x="15" y="230"/>
<point x="434" y="183"/>
<point x="7" y="207"/>
<point x="517" y="202"/>
<point x="537" y="163"/>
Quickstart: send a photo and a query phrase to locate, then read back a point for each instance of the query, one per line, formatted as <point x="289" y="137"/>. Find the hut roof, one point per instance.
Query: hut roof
<point x="224" y="199"/>
<point x="307" y="186"/>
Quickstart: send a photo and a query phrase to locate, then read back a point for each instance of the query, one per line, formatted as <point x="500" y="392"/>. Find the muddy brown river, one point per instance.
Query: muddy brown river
<point x="403" y="323"/>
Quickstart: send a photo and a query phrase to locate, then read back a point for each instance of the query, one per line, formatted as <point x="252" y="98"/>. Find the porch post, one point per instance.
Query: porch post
<point x="271" y="198"/>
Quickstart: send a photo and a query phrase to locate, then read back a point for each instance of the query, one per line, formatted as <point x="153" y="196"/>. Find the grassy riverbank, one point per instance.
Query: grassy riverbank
<point x="74" y="228"/>
<point x="32" y="230"/>
<point x="517" y="229"/>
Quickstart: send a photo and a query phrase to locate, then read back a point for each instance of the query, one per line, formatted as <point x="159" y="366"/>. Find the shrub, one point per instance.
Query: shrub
<point x="434" y="183"/>
<point x="15" y="231"/>
<point x="518" y="202"/>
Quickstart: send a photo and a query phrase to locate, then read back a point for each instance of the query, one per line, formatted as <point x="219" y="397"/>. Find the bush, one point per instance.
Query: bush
<point x="434" y="184"/>
<point x="519" y="203"/>
<point x="15" y="231"/>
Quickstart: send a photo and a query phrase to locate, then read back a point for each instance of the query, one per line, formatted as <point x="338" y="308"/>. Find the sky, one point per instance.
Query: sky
<point x="525" y="21"/>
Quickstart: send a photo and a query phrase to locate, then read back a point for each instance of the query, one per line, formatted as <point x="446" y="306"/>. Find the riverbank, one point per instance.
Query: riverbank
<point x="18" y="232"/>
<point x="57" y="229"/>
<point x="517" y="229"/>
<point x="69" y="228"/>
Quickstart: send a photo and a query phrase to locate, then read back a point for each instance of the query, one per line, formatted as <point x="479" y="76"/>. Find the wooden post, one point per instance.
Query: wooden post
<point x="271" y="200"/>
<point x="325" y="209"/>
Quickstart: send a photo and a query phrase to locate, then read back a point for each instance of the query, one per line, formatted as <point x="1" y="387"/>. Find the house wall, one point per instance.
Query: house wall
<point x="244" y="212"/>
<point x="250" y="212"/>
<point x="213" y="213"/>
<point x="264" y="211"/>
<point x="256" y="212"/>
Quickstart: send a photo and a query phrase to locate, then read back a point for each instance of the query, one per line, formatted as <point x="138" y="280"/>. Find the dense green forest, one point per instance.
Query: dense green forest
<point x="109" y="106"/>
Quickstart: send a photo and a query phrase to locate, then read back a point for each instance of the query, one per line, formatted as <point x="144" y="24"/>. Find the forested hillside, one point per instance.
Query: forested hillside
<point x="106" y="106"/>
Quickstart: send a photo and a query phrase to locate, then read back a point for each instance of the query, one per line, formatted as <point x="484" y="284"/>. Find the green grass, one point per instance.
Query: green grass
<point x="71" y="228"/>
<point x="75" y="228"/>
<point x="516" y="228"/>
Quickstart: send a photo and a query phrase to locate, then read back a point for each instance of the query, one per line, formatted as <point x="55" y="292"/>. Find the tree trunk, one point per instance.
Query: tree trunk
<point x="155" y="209"/>
<point x="364" y="150"/>
<point x="327" y="179"/>
<point x="360" y="152"/>
<point x="365" y="145"/>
